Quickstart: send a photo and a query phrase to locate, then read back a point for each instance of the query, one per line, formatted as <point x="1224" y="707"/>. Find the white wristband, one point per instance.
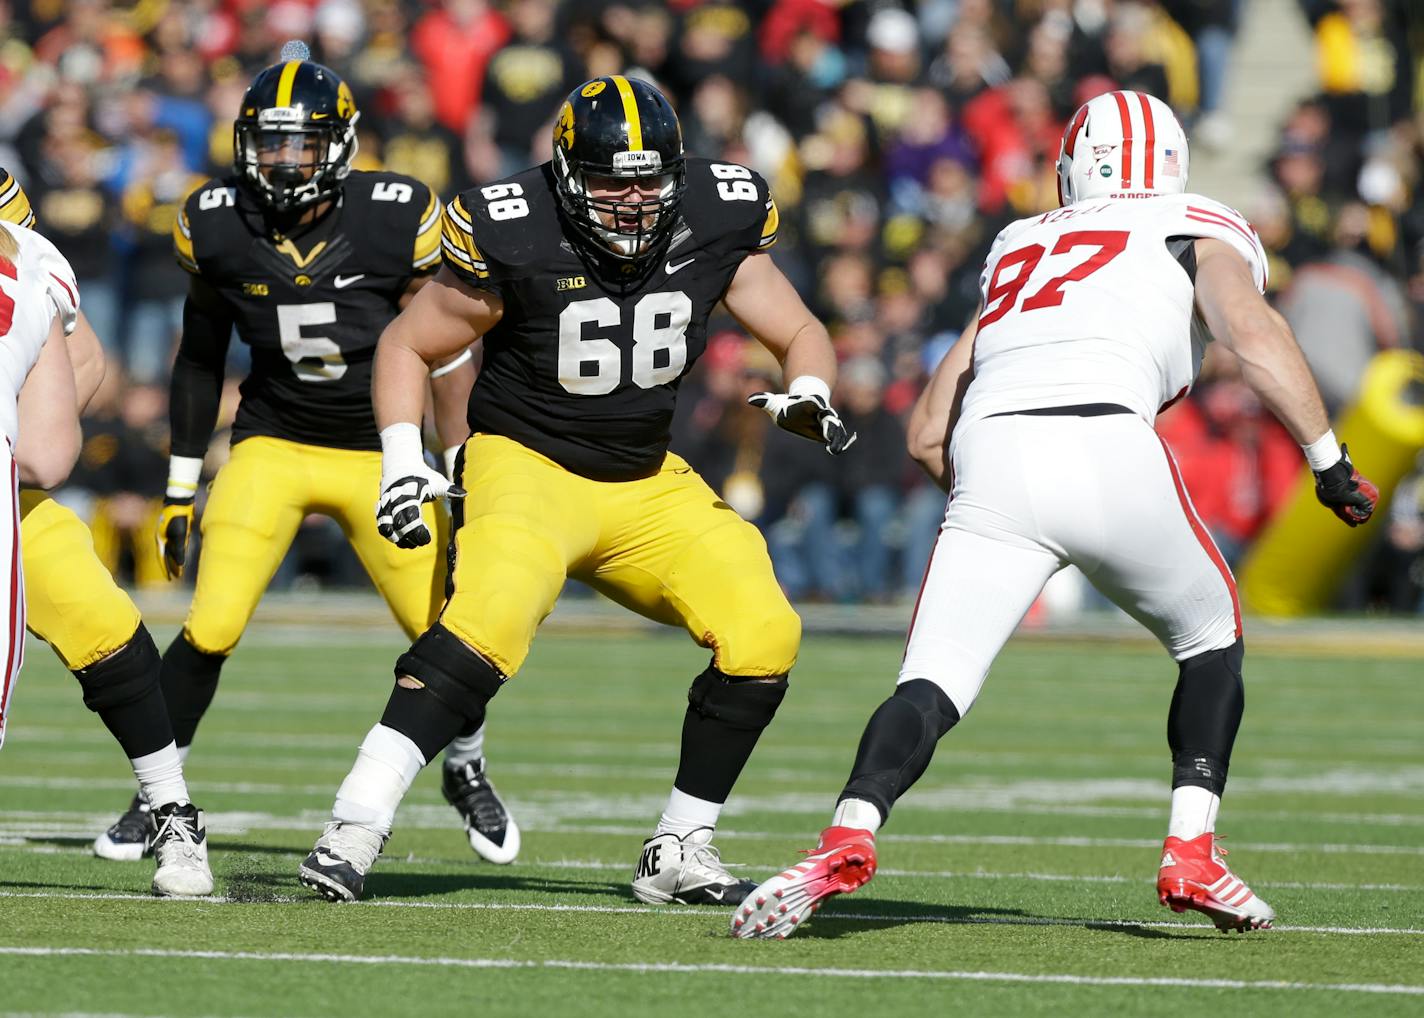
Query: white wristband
<point x="1323" y="453"/>
<point x="445" y="369"/>
<point x="184" y="472"/>
<point x="401" y="444"/>
<point x="450" y="456"/>
<point x="810" y="385"/>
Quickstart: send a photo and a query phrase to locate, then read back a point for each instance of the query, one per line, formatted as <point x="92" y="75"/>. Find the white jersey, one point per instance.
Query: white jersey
<point x="1090" y="304"/>
<point x="40" y="286"/>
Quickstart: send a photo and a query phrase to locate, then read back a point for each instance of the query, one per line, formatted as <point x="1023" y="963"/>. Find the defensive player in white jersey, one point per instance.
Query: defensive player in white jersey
<point x="39" y="303"/>
<point x="1039" y="423"/>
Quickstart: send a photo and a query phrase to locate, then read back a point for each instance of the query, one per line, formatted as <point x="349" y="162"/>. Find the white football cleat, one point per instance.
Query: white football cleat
<point x="492" y="831"/>
<point x="343" y="855"/>
<point x="129" y="838"/>
<point x="180" y="846"/>
<point x="685" y="871"/>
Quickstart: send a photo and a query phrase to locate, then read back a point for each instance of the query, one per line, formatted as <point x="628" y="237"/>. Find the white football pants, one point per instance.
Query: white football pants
<point x="1033" y="494"/>
<point x="12" y="613"/>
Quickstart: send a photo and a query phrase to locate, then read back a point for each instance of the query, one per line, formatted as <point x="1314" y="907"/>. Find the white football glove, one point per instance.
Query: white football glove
<point x="407" y="483"/>
<point x="805" y="410"/>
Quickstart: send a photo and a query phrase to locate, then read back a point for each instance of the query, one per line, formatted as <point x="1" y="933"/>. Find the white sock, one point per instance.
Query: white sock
<point x="465" y="749"/>
<point x="686" y="813"/>
<point x="183" y="752"/>
<point x="1193" y="812"/>
<point x="386" y="764"/>
<point x="858" y="814"/>
<point x="160" y="776"/>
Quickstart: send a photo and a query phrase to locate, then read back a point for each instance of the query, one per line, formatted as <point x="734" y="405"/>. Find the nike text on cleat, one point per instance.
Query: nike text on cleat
<point x="129" y="839"/>
<point x="685" y="871"/>
<point x="843" y="862"/>
<point x="1193" y="875"/>
<point x="343" y="855"/>
<point x="180" y="847"/>
<point x="492" y="831"/>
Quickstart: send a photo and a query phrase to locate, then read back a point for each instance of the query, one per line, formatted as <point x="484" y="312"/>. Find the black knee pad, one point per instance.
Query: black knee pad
<point x="1206" y="712"/>
<point x="737" y="701"/>
<point x="451" y="671"/>
<point x="125" y="676"/>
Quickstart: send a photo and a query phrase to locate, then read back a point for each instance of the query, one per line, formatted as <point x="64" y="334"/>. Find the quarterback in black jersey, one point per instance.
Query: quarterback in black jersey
<point x="308" y="260"/>
<point x="589" y="280"/>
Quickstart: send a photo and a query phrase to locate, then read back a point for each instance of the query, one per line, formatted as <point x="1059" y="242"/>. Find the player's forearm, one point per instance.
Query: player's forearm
<point x="810" y="354"/>
<point x="450" y="385"/>
<point x="934" y="415"/>
<point x="1275" y="369"/>
<point x="86" y="357"/>
<point x="50" y="437"/>
<point x="195" y="392"/>
<point x="398" y="384"/>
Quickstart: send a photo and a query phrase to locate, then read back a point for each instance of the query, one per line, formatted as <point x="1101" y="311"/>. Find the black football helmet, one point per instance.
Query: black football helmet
<point x="295" y="136"/>
<point x="622" y="128"/>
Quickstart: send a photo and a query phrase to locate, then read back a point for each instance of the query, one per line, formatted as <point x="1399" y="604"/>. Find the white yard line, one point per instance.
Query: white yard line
<point x="1062" y="978"/>
<point x="694" y="913"/>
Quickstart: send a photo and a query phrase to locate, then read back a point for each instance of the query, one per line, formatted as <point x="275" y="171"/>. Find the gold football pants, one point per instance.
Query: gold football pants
<point x="665" y="546"/>
<point x="257" y="502"/>
<point x="72" y="601"/>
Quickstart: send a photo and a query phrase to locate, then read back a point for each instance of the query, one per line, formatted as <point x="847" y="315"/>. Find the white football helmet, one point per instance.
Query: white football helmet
<point x="1121" y="144"/>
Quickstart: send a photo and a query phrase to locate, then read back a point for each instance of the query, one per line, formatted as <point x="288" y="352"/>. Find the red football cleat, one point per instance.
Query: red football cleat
<point x="843" y="862"/>
<point x="1193" y="875"/>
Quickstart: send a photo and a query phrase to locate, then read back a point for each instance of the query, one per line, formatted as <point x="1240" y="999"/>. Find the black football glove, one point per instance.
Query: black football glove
<point x="175" y="523"/>
<point x="1342" y="490"/>
<point x="398" y="516"/>
<point x="809" y="416"/>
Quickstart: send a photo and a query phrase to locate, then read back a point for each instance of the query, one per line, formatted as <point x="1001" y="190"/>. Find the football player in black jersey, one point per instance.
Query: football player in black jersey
<point x="308" y="260"/>
<point x="589" y="280"/>
<point x="74" y="605"/>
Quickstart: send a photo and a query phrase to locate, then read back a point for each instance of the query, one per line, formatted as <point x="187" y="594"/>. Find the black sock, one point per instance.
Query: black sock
<point x="1204" y="717"/>
<point x="726" y="715"/>
<point x="190" y="679"/>
<point x="424" y="719"/>
<point x="899" y="742"/>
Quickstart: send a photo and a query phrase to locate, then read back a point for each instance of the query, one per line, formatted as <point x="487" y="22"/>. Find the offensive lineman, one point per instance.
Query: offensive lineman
<point x="589" y="280"/>
<point x="74" y="605"/>
<point x="308" y="260"/>
<point x="1039" y="421"/>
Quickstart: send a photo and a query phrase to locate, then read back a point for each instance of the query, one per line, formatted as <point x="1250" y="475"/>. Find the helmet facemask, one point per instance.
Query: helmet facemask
<point x="289" y="162"/>
<point x="633" y="221"/>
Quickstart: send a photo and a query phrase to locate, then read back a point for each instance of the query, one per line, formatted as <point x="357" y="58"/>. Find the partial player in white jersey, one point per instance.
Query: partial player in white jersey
<point x="1039" y="423"/>
<point x="39" y="304"/>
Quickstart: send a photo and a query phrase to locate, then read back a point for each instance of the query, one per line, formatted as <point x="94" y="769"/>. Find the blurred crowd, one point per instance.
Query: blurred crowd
<point x="897" y="137"/>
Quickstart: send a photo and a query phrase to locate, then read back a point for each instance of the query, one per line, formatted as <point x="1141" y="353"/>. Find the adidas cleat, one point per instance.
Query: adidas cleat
<point x="1193" y="875"/>
<point x="343" y="855"/>
<point x="180" y="847"/>
<point x="843" y="862"/>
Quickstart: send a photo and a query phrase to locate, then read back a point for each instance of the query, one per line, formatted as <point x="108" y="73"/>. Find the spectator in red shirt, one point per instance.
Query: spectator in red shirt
<point x="455" y="41"/>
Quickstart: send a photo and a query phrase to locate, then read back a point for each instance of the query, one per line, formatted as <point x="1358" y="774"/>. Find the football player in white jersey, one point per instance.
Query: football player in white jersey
<point x="1039" y="423"/>
<point x="39" y="303"/>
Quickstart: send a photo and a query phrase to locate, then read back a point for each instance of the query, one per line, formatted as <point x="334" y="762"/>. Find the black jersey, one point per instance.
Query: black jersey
<point x="312" y="305"/>
<point x="584" y="366"/>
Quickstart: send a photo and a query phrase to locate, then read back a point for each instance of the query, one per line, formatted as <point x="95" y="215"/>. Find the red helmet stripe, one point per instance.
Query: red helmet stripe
<point x="1070" y="140"/>
<point x="1126" y="139"/>
<point x="1150" y="155"/>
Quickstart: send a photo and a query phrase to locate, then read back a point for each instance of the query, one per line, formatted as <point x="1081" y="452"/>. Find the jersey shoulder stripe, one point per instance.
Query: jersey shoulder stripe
<point x="183" y="243"/>
<point x="458" y="241"/>
<point x="14" y="204"/>
<point x="770" y="226"/>
<point x="428" y="237"/>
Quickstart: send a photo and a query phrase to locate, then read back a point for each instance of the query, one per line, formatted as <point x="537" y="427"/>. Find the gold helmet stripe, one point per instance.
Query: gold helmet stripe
<point x="630" y="113"/>
<point x="285" y="82"/>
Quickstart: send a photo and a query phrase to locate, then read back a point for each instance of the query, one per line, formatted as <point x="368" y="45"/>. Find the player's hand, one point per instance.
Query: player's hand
<point x="175" y="523"/>
<point x="398" y="516"/>
<point x="1342" y="490"/>
<point x="807" y="415"/>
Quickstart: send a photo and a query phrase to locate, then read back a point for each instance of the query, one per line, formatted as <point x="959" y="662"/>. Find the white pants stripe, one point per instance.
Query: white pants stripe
<point x="1034" y="494"/>
<point x="12" y="637"/>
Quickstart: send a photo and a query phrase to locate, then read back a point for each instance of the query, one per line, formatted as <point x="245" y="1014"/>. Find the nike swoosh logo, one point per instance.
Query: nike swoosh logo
<point x="716" y="895"/>
<point x="342" y="282"/>
<point x="329" y="860"/>
<point x="670" y="268"/>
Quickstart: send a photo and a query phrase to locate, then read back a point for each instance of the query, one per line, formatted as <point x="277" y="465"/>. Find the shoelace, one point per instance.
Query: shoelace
<point x="479" y="798"/>
<point x="707" y="862"/>
<point x="354" y="846"/>
<point x="178" y="827"/>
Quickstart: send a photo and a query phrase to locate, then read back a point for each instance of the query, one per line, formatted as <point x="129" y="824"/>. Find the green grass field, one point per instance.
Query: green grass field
<point x="1017" y="878"/>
